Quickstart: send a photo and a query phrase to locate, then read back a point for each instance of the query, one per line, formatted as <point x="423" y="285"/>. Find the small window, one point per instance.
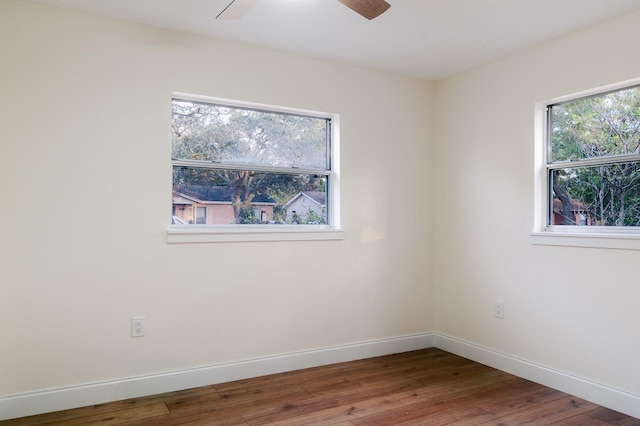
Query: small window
<point x="237" y="164"/>
<point x="593" y="162"/>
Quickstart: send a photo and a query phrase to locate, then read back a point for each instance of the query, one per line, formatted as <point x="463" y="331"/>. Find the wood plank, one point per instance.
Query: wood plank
<point x="545" y="414"/>
<point x="133" y="414"/>
<point x="338" y="414"/>
<point x="580" y="420"/>
<point x="515" y="400"/>
<point x="235" y="401"/>
<point x="323" y="402"/>
<point x="612" y="417"/>
<point x="124" y="416"/>
<point x="108" y="414"/>
<point x="406" y="413"/>
<point x="200" y="419"/>
<point x="463" y="416"/>
<point x="433" y="401"/>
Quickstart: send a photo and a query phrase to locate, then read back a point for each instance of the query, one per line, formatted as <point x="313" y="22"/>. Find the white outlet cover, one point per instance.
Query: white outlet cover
<point x="499" y="309"/>
<point x="137" y="327"/>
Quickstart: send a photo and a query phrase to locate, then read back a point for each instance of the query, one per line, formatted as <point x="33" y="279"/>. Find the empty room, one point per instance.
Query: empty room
<point x="343" y="201"/>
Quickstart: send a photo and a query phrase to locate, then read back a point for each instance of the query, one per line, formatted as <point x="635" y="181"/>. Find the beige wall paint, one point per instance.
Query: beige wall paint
<point x="85" y="110"/>
<point x="572" y="309"/>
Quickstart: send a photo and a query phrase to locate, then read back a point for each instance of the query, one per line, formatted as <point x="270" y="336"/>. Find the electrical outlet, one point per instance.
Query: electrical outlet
<point x="137" y="327"/>
<point x="498" y="310"/>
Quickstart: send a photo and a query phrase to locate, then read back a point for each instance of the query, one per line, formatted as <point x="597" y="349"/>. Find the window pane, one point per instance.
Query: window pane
<point x="243" y="136"/>
<point x="598" y="126"/>
<point x="222" y="197"/>
<point x="607" y="195"/>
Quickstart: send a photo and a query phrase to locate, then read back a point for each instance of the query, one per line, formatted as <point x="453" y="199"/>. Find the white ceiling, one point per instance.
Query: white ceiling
<point x="431" y="39"/>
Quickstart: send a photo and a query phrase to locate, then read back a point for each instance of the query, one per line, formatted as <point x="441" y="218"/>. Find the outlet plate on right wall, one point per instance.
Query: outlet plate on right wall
<point x="498" y="309"/>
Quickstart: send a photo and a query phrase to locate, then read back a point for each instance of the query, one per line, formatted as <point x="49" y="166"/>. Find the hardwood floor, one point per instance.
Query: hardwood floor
<point x="427" y="387"/>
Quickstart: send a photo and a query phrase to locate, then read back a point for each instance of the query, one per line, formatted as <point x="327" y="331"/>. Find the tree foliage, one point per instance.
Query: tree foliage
<point x="245" y="138"/>
<point x="604" y="128"/>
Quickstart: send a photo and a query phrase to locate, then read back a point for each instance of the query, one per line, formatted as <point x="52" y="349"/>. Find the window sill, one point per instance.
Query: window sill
<point x="248" y="233"/>
<point x="588" y="240"/>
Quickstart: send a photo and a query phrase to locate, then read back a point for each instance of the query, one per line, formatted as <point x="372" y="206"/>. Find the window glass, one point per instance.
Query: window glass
<point x="594" y="160"/>
<point x="603" y="195"/>
<point x="239" y="166"/>
<point x="248" y="197"/>
<point x="235" y="135"/>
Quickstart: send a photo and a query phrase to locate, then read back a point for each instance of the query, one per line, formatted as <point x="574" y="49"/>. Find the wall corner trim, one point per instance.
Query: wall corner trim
<point x="45" y="401"/>
<point x="606" y="396"/>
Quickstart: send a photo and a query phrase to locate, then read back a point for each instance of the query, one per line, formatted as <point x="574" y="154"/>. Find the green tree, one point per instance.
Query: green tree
<point x="245" y="138"/>
<point x="315" y="218"/>
<point x="597" y="127"/>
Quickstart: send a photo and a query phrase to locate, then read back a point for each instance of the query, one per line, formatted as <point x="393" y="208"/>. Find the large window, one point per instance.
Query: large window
<point x="237" y="164"/>
<point x="593" y="163"/>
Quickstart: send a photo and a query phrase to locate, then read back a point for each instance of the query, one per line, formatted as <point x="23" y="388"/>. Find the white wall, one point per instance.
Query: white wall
<point x="574" y="310"/>
<point x="85" y="115"/>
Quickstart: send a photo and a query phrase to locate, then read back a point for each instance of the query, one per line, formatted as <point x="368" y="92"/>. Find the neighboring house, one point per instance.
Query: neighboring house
<point x="579" y="211"/>
<point x="307" y="203"/>
<point x="211" y="205"/>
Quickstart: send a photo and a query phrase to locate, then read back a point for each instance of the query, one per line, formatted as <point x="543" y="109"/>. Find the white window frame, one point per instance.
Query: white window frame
<point x="254" y="233"/>
<point x="573" y="236"/>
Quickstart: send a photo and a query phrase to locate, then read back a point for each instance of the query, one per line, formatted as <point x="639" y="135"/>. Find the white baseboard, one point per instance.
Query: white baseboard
<point x="597" y="393"/>
<point x="97" y="393"/>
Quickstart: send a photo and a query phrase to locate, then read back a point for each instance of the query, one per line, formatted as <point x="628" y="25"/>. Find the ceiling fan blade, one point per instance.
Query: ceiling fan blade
<point x="236" y="9"/>
<point x="368" y="8"/>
